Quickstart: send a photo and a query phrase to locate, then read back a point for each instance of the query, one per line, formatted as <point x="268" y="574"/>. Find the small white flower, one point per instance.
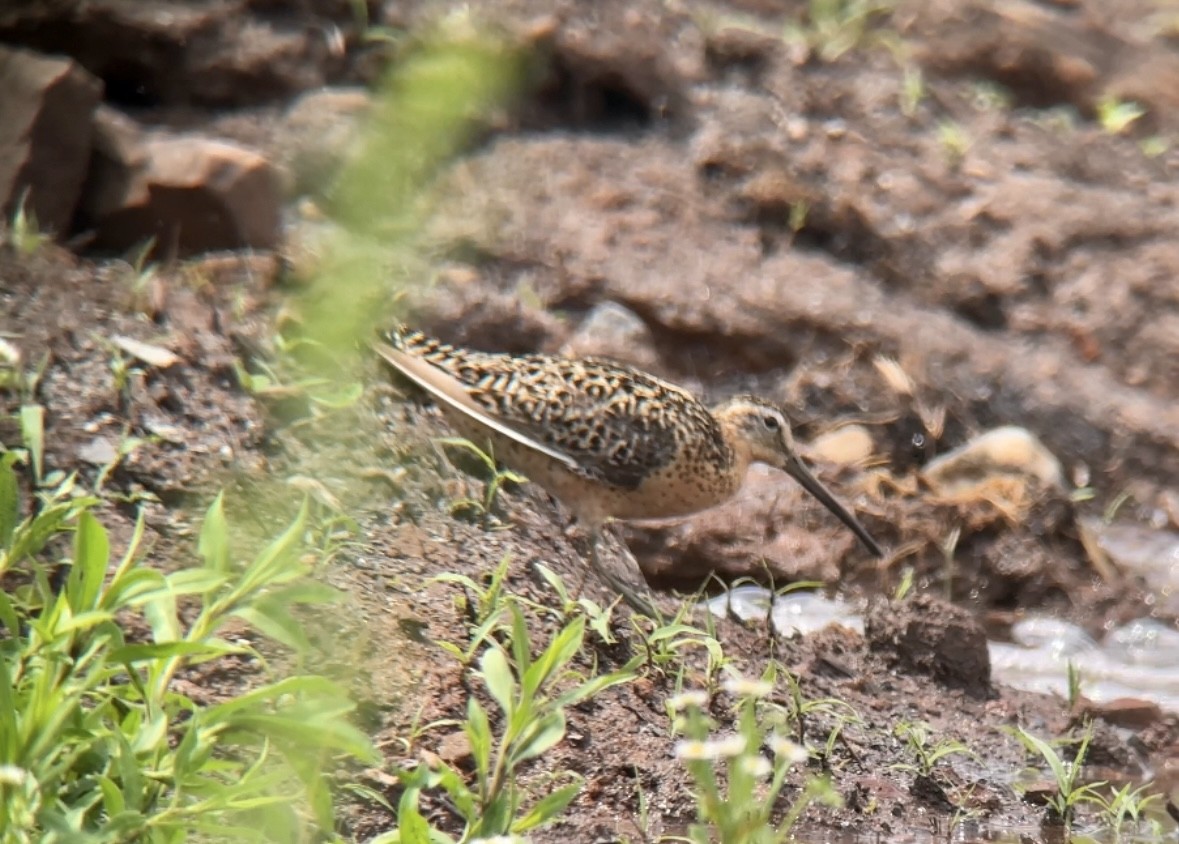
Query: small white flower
<point x="692" y="750"/>
<point x="790" y="751"/>
<point x="13" y="775"/>
<point x="725" y="748"/>
<point x="695" y="698"/>
<point x="748" y="687"/>
<point x="757" y="766"/>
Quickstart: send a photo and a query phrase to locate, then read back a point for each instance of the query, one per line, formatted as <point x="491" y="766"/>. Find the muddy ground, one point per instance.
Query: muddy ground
<point x="779" y="215"/>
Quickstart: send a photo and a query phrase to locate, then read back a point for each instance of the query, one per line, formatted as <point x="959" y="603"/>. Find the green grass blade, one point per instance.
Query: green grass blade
<point x="91" y="556"/>
<point x="32" y="431"/>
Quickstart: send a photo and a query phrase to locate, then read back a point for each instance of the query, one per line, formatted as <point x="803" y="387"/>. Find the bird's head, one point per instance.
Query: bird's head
<point x="759" y="432"/>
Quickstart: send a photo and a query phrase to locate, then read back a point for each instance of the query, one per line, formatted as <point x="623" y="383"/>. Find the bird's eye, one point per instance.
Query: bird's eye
<point x="771" y="422"/>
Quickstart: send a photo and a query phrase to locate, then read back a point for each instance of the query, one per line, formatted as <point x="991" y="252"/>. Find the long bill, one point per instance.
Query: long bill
<point x="799" y="471"/>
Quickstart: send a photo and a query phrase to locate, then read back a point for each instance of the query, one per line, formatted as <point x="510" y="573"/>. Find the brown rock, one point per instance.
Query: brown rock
<point x="45" y="117"/>
<point x="180" y="52"/>
<point x="932" y="637"/>
<point x="192" y="194"/>
<point x="117" y="155"/>
<point x="1131" y="713"/>
<point x="320" y="130"/>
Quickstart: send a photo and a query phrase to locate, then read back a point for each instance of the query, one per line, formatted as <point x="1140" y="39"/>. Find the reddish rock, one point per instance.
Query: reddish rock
<point x="45" y="117"/>
<point x="192" y="194"/>
<point x="1131" y="713"/>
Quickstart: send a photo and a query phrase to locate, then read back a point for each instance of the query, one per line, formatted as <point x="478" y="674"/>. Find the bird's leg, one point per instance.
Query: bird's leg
<point x="634" y="600"/>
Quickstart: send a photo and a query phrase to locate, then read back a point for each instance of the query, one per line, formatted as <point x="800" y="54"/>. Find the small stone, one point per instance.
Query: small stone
<point x="99" y="451"/>
<point x="616" y="332"/>
<point x="148" y="353"/>
<point x="455" y="748"/>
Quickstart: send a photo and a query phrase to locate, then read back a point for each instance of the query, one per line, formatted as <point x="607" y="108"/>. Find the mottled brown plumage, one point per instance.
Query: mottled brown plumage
<point x="608" y="440"/>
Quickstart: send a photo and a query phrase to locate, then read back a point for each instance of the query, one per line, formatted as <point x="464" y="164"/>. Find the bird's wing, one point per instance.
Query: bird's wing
<point x="595" y="417"/>
<point x="449" y="390"/>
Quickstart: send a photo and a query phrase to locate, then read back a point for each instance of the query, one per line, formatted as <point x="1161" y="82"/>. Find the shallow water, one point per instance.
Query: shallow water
<point x="1139" y="659"/>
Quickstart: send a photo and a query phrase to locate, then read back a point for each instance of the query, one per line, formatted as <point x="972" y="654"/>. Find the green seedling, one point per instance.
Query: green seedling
<point x="912" y="88"/>
<point x="954" y="140"/>
<point x="737" y="786"/>
<point x="834" y="27"/>
<point x="1111" y="511"/>
<point x="597" y="617"/>
<point x="1070" y="793"/>
<point x="24" y="233"/>
<point x="528" y="693"/>
<point x="990" y="96"/>
<point x="324" y="393"/>
<point x="800" y="710"/>
<point x="1074" y="684"/>
<point x="1117" y="116"/>
<point x="908" y="576"/>
<point x="498" y="476"/>
<point x="486" y="613"/>
<point x="666" y="644"/>
<point x="1125" y="810"/>
<point x="98" y="741"/>
<point x="926" y="755"/>
<point x="1155" y="146"/>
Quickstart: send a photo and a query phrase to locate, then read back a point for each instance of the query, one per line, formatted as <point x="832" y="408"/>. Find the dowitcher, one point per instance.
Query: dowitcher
<point x="609" y="441"/>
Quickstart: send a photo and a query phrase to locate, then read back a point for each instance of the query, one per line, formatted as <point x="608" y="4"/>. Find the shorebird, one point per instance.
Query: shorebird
<point x="607" y="440"/>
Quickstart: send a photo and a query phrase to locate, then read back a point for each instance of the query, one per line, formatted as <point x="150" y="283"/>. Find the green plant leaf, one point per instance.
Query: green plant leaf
<point x="166" y="650"/>
<point x="133" y="587"/>
<point x="467" y="445"/>
<point x="557" y="655"/>
<point x="343" y="397"/>
<point x="195" y="581"/>
<point x="213" y="545"/>
<point x="464" y="799"/>
<point x="8" y="616"/>
<point x="112" y="797"/>
<point x="277" y="563"/>
<point x="91" y="556"/>
<point x="547" y="808"/>
<point x="160" y="612"/>
<point x="32" y="431"/>
<point x="307" y="592"/>
<point x="478" y="730"/>
<point x="541" y="736"/>
<point x="497" y="674"/>
<point x="411" y="826"/>
<point x="271" y="618"/>
<point x="9" y="501"/>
